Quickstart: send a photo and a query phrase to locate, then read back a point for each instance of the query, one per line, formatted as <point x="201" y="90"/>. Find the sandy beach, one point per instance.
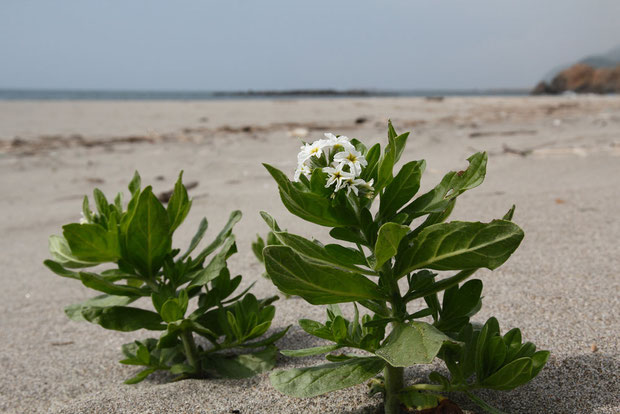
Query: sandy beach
<point x="556" y="158"/>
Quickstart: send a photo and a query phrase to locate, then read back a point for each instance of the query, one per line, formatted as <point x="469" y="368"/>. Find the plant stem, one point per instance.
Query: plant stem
<point x="393" y="385"/>
<point x="440" y="388"/>
<point x="190" y="349"/>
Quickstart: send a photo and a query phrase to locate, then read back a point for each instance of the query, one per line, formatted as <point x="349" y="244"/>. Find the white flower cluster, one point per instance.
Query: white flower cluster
<point x="342" y="162"/>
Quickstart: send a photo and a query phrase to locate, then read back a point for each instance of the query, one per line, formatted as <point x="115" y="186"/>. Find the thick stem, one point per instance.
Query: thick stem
<point x="190" y="349"/>
<point x="393" y="385"/>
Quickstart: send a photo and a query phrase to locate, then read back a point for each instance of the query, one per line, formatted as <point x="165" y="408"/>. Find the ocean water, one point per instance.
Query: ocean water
<point x="125" y="95"/>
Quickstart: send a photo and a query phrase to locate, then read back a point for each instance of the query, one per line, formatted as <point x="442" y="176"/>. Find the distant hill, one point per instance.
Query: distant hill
<point x="592" y="74"/>
<point x="606" y="60"/>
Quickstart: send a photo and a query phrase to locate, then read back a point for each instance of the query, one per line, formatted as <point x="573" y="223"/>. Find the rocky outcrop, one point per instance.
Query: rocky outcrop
<point x="582" y="78"/>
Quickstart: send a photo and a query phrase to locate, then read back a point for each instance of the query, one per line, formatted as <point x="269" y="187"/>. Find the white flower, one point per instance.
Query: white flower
<point x="334" y="141"/>
<point x="308" y="150"/>
<point x="336" y="175"/>
<point x="302" y="169"/>
<point x="356" y="184"/>
<point x="353" y="158"/>
<point x="83" y="219"/>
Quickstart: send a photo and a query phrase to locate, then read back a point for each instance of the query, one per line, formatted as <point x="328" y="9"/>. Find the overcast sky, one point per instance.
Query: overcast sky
<point x="244" y="44"/>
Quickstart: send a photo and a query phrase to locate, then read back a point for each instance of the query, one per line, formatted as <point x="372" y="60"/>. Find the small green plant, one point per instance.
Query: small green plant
<point x="136" y="240"/>
<point x="391" y="259"/>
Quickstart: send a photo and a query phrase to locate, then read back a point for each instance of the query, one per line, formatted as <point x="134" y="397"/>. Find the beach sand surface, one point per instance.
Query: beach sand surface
<point x="556" y="158"/>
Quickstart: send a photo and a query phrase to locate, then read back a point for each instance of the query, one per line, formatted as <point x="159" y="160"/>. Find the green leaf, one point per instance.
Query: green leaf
<point x="179" y="369"/>
<point x="399" y="140"/>
<point x="123" y="318"/>
<point x="460" y="301"/>
<point x="416" y="400"/>
<point x="372" y="158"/>
<point x="316" y="283"/>
<point x="312" y="250"/>
<point x="410" y="344"/>
<point x="309" y="206"/>
<point x="267" y="341"/>
<point x="316" y="328"/>
<point x="147" y="234"/>
<point x="317" y="350"/>
<point x="61" y="253"/>
<point x="221" y="237"/>
<point x="388" y="239"/>
<point x="86" y="212"/>
<point x="386" y="165"/>
<point x="317" y="380"/>
<point x="101" y="284"/>
<point x="347" y="234"/>
<point x="92" y="243"/>
<point x="512" y="339"/>
<point x="202" y="229"/>
<point x="494" y="356"/>
<point x="402" y="188"/>
<point x="74" y="312"/>
<point x="101" y="202"/>
<point x="60" y="270"/>
<point x="451" y="186"/>
<point x="179" y="204"/>
<point x="171" y="311"/>
<point x="141" y="376"/>
<point x="246" y="365"/>
<point x="539" y="359"/>
<point x="510" y="376"/>
<point x="135" y="183"/>
<point x="339" y="329"/>
<point x="216" y="265"/>
<point x="509" y="214"/>
<point x="460" y="245"/>
<point x="489" y="330"/>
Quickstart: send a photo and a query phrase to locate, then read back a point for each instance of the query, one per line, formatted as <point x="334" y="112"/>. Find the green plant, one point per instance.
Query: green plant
<point x="407" y="240"/>
<point x="136" y="240"/>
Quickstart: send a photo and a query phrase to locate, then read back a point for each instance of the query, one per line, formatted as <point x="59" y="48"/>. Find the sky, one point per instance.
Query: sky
<point x="207" y="45"/>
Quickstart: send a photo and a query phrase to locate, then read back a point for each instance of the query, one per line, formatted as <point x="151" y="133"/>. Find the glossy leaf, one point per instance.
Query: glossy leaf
<point x="451" y="186"/>
<point x="123" y="318"/>
<point x="147" y="235"/>
<point x="92" y="243"/>
<point x="510" y="376"/>
<point x="216" y="265"/>
<point x="309" y="206"/>
<point x="316" y="283"/>
<point x="101" y="284"/>
<point x="141" y="376"/>
<point x="60" y="270"/>
<point x="179" y="204"/>
<point x="221" y="237"/>
<point x="461" y="245"/>
<point x="313" y="250"/>
<point x="402" y="188"/>
<point x="61" y="253"/>
<point x="74" y="312"/>
<point x="388" y="239"/>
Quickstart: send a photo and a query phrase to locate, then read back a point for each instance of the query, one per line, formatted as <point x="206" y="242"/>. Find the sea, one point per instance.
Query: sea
<point x="143" y="95"/>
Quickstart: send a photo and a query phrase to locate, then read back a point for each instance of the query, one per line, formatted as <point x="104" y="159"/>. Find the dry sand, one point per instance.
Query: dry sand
<point x="557" y="159"/>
